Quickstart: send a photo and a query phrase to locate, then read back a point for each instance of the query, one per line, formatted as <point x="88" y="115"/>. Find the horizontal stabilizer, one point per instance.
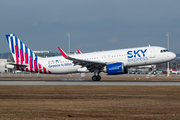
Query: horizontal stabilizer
<point x="25" y="65"/>
<point x="15" y="66"/>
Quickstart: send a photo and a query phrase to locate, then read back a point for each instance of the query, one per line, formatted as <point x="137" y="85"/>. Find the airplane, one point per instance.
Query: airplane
<point x="112" y="62"/>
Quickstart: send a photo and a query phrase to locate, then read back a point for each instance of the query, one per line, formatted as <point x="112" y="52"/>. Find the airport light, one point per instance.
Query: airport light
<point x="167" y="34"/>
<point x="69" y="34"/>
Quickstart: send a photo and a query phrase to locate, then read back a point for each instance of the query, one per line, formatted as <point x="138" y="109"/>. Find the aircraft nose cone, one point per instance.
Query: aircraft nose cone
<point x="173" y="56"/>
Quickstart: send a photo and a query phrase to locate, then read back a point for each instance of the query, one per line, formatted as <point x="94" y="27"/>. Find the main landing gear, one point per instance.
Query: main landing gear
<point x="96" y="76"/>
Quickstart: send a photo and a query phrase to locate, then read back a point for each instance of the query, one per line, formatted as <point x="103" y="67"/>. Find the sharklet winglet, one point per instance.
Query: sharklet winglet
<point x="62" y="52"/>
<point x="79" y="51"/>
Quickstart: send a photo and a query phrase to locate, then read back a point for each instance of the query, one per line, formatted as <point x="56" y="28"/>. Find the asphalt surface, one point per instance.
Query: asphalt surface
<point x="88" y="82"/>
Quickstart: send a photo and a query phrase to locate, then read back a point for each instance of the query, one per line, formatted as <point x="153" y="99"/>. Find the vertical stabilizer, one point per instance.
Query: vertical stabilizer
<point x="22" y="55"/>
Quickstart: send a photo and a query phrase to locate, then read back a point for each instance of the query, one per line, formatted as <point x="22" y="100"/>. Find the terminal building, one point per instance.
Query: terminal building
<point x="3" y="62"/>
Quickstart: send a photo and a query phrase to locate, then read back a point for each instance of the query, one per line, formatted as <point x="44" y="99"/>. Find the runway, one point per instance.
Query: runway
<point x="106" y="83"/>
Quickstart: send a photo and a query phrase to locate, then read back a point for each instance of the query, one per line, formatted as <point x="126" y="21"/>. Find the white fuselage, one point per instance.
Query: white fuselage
<point x="129" y="57"/>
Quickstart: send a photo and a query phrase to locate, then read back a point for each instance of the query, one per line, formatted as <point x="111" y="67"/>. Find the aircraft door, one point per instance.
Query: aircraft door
<point x="151" y="52"/>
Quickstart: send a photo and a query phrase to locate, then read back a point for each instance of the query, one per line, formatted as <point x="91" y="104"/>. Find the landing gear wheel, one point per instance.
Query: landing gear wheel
<point x="154" y="73"/>
<point x="96" y="78"/>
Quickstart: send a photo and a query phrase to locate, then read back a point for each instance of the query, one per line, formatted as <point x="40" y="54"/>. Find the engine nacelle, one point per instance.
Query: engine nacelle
<point x="115" y="68"/>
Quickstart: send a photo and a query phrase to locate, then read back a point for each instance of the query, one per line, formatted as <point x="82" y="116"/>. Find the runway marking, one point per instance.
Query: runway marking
<point x="106" y="83"/>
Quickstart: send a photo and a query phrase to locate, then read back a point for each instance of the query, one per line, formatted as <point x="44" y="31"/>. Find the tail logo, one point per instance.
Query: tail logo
<point x="21" y="53"/>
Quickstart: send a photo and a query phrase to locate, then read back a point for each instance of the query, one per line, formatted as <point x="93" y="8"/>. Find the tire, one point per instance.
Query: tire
<point x="94" y="78"/>
<point x="98" y="78"/>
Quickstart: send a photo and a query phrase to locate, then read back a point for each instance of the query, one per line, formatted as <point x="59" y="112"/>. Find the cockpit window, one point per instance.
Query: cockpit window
<point x="162" y="51"/>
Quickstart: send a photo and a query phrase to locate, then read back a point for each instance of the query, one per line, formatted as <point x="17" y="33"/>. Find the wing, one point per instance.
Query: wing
<point x="90" y="65"/>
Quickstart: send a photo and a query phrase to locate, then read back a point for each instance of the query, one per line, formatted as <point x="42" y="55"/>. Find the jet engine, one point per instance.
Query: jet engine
<point x="115" y="68"/>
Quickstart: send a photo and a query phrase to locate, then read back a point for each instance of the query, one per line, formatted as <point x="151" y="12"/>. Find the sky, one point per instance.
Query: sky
<point x="95" y="25"/>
